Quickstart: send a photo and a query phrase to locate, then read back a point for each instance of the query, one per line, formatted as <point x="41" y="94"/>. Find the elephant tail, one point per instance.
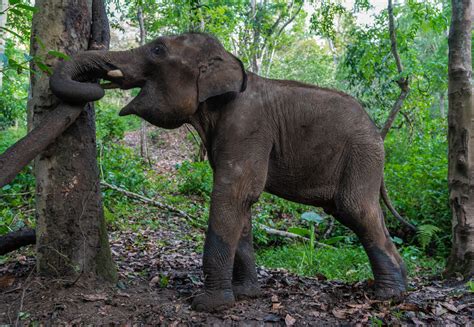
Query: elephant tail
<point x="386" y="200"/>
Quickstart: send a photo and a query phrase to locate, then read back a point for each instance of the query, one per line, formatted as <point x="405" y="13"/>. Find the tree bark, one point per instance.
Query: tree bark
<point x="71" y="232"/>
<point x="460" y="138"/>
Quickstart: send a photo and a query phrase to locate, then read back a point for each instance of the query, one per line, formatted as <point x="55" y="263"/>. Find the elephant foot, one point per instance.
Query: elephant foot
<point x="248" y="290"/>
<point x="389" y="292"/>
<point x="212" y="301"/>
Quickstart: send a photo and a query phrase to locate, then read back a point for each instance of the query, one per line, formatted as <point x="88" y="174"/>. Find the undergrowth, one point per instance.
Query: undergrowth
<point x="346" y="263"/>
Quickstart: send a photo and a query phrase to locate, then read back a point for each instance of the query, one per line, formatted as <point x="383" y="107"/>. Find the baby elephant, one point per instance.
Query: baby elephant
<point x="301" y="142"/>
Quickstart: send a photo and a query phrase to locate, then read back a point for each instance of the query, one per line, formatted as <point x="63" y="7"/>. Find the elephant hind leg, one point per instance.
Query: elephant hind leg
<point x="357" y="207"/>
<point x="387" y="265"/>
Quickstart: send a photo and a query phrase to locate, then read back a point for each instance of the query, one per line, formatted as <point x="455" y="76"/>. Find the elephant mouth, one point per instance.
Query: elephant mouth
<point x="116" y="79"/>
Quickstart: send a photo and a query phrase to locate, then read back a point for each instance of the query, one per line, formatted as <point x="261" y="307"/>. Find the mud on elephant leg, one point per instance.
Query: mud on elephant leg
<point x="244" y="276"/>
<point x="387" y="265"/>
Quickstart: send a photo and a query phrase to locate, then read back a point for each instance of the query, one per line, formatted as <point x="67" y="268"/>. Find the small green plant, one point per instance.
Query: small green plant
<point x="470" y="286"/>
<point x="195" y="178"/>
<point x="426" y="234"/>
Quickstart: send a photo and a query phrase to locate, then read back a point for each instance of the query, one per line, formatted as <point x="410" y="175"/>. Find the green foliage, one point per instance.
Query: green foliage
<point x="304" y="61"/>
<point x="416" y="177"/>
<point x="13" y="95"/>
<point x="110" y="126"/>
<point x="346" y="263"/>
<point x="470" y="286"/>
<point x="195" y="178"/>
<point x="16" y="198"/>
<point x="369" y="68"/>
<point x="426" y="233"/>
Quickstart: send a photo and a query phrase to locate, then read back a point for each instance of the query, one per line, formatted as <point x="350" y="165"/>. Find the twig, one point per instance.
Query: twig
<point x="146" y="200"/>
<point x="23" y="296"/>
<point x="273" y="231"/>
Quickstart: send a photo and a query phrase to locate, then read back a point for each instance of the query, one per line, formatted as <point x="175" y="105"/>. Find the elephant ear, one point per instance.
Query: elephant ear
<point x="219" y="75"/>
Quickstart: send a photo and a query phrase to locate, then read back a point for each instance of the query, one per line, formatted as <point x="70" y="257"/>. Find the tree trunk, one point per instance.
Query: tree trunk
<point x="71" y="233"/>
<point x="3" y="23"/>
<point x="460" y="138"/>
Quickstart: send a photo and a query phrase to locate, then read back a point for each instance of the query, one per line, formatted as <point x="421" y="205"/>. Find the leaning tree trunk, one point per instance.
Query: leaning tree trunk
<point x="460" y="137"/>
<point x="71" y="233"/>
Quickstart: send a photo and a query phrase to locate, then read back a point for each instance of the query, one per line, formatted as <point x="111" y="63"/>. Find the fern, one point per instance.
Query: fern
<point x="426" y="234"/>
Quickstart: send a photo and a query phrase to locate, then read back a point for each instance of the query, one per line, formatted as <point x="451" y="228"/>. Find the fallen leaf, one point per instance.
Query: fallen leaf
<point x="94" y="297"/>
<point x="408" y="307"/>
<point x="6" y="281"/>
<point x="450" y="307"/>
<point x="439" y="311"/>
<point x="275" y="298"/>
<point x="340" y="314"/>
<point x="289" y="320"/>
<point x="119" y="293"/>
<point x="276" y="306"/>
<point x="155" y="280"/>
<point x="358" y="306"/>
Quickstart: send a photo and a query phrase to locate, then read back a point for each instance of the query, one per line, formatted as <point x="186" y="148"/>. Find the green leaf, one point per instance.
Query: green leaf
<point x="333" y="240"/>
<point x="11" y="32"/>
<point x="26" y="7"/>
<point x="44" y="67"/>
<point x="397" y="240"/>
<point x="59" y="54"/>
<point x="426" y="233"/>
<point x="299" y="231"/>
<point x="312" y="217"/>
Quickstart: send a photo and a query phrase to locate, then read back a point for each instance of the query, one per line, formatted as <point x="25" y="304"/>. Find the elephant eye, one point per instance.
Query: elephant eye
<point x="158" y="49"/>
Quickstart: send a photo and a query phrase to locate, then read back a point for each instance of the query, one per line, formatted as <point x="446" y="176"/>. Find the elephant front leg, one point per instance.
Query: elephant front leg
<point x="224" y="230"/>
<point x="244" y="276"/>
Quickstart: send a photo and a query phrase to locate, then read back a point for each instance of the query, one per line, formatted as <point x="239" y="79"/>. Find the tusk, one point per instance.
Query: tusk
<point x="108" y="86"/>
<point x="115" y="73"/>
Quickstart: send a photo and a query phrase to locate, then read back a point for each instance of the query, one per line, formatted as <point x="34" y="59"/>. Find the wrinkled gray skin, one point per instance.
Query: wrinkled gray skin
<point x="301" y="142"/>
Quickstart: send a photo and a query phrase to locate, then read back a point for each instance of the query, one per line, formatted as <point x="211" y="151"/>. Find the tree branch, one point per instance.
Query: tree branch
<point x="22" y="152"/>
<point x="15" y="240"/>
<point x="402" y="81"/>
<point x="277" y="232"/>
<point x="144" y="199"/>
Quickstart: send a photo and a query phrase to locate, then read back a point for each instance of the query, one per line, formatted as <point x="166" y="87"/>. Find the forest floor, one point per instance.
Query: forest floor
<point x="160" y="272"/>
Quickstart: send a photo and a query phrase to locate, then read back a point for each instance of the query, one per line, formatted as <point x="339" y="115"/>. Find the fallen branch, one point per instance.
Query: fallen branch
<point x="164" y="206"/>
<point x="273" y="231"/>
<point x="22" y="152"/>
<point x="144" y="199"/>
<point x="15" y="240"/>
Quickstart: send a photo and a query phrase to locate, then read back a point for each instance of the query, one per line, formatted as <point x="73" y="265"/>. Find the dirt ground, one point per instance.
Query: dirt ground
<point x="160" y="272"/>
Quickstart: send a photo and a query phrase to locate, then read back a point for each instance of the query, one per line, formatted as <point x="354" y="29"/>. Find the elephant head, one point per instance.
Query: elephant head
<point x="175" y="74"/>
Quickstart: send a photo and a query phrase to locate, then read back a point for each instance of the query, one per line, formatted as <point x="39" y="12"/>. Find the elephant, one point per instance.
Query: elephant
<point x="304" y="143"/>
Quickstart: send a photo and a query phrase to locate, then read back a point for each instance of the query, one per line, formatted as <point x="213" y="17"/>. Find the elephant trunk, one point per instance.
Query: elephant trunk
<point x="75" y="80"/>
